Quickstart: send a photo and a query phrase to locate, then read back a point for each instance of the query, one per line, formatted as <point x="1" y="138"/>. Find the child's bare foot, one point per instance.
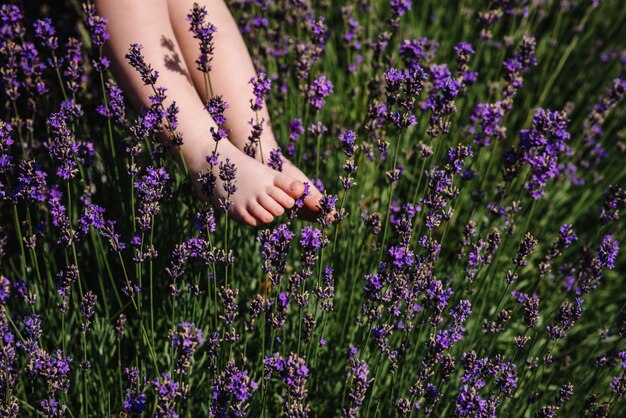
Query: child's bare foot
<point x="268" y="145"/>
<point x="262" y="193"/>
<point x="230" y="75"/>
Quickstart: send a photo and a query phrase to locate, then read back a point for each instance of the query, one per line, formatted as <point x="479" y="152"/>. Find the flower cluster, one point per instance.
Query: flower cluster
<point x="203" y="31"/>
<point x="540" y="148"/>
<point x="185" y="340"/>
<point x="135" y="58"/>
<point x="294" y="373"/>
<point x="232" y="390"/>
<point x="360" y="384"/>
<point x="320" y="88"/>
<point x="150" y="189"/>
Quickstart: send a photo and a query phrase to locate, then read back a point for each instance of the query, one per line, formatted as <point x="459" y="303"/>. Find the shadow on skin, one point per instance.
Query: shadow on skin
<point x="172" y="60"/>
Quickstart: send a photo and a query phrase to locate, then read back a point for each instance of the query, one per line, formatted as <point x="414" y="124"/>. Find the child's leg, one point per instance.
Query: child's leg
<point x="231" y="71"/>
<point x="262" y="193"/>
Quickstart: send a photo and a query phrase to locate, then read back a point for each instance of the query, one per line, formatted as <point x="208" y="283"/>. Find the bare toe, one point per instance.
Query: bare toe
<point x="281" y="197"/>
<point x="271" y="205"/>
<point x="244" y="218"/>
<point x="250" y="220"/>
<point x="289" y="185"/>
<point x="260" y="213"/>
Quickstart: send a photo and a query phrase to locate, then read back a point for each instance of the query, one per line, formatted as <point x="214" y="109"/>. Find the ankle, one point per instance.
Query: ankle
<point x="198" y="151"/>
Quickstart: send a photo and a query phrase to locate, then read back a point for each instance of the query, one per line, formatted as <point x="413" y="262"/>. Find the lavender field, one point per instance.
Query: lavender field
<point x="465" y="260"/>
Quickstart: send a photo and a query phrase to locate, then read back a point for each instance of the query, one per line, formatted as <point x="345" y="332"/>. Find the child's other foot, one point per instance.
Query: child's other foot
<point x="262" y="193"/>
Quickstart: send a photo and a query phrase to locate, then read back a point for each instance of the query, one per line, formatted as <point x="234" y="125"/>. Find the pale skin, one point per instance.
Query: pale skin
<point x="161" y="27"/>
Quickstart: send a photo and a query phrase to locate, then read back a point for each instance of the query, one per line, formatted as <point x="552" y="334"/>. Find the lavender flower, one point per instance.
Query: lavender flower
<point x="120" y="326"/>
<point x="457" y="156"/>
<point x="439" y="189"/>
<point x="86" y="310"/>
<point x="60" y="219"/>
<point x="216" y="106"/>
<point x="486" y="125"/>
<point x="227" y="174"/>
<point x="540" y="148"/>
<point x="202" y="31"/>
<point x="416" y="52"/>
<point x="32" y="327"/>
<point x="205" y="219"/>
<point x="261" y="86"/>
<point x="194" y="248"/>
<point x="530" y="307"/>
<point x="526" y="247"/>
<point x="566" y="237"/>
<point x="294" y="373"/>
<point x="441" y="99"/>
<point x="5" y="290"/>
<point x="62" y="145"/>
<point x="137" y="61"/>
<point x="564" y="395"/>
<point x="618" y="384"/>
<point x="400" y="7"/>
<point x="276" y="160"/>
<point x="463" y="51"/>
<point x="31" y="183"/>
<point x="52" y="408"/>
<point x="348" y="142"/>
<point x="325" y="292"/>
<point x="311" y="51"/>
<point x="229" y="300"/>
<point x="274" y="247"/>
<point x="11" y="18"/>
<point x="614" y="200"/>
<point x="150" y="189"/>
<point x="46" y="34"/>
<point x="53" y="369"/>
<point x="257" y="307"/>
<point x="592" y="126"/>
<point x="97" y="26"/>
<point x="327" y="209"/>
<point x="607" y="253"/>
<point x="135" y="402"/>
<point x="311" y="238"/>
<point x="295" y="130"/>
<point x="470" y="403"/>
<point x="353" y="33"/>
<point x="516" y="66"/>
<point x="93" y="216"/>
<point x="115" y="108"/>
<point x="74" y="62"/>
<point x="360" y="384"/>
<point x="319" y="90"/>
<point x="569" y="313"/>
<point x="507" y="377"/>
<point x="347" y="181"/>
<point x="185" y="340"/>
<point x="33" y="69"/>
<point x="6" y="160"/>
<point x="168" y="392"/>
<point x="232" y="390"/>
